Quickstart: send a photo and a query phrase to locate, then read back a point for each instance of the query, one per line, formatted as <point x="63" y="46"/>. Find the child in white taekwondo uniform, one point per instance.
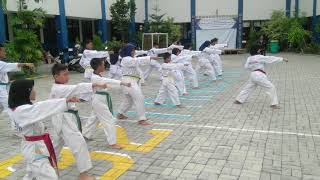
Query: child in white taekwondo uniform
<point x="36" y="144"/>
<point x="4" y="80"/>
<point x="258" y="77"/>
<point x="154" y="52"/>
<point x="115" y="71"/>
<point x="140" y="53"/>
<point x="179" y="76"/>
<point x="188" y="70"/>
<point x="133" y="95"/>
<point x="67" y="125"/>
<point x="217" y="63"/>
<point x="204" y="60"/>
<point x="100" y="110"/>
<point x="88" y="55"/>
<point x="168" y="86"/>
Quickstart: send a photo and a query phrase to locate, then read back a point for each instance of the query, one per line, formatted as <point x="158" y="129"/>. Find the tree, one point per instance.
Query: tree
<point x="173" y="30"/>
<point x="121" y="14"/>
<point x="158" y="25"/>
<point x="156" y="20"/>
<point x="25" y="46"/>
<point x="277" y="27"/>
<point x="287" y="30"/>
<point x="297" y="36"/>
<point x="253" y="37"/>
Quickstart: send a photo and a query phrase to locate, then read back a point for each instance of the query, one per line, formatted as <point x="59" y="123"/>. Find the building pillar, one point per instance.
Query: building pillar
<point x="297" y="7"/>
<point x="146" y="15"/>
<point x="288" y="8"/>
<point x="315" y="34"/>
<point x="240" y="24"/>
<point x="103" y="22"/>
<point x="3" y="37"/>
<point x="62" y="31"/>
<point x="132" y="28"/>
<point x="193" y="24"/>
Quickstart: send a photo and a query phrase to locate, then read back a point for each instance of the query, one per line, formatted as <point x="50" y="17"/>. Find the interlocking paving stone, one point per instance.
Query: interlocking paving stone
<point x="217" y="139"/>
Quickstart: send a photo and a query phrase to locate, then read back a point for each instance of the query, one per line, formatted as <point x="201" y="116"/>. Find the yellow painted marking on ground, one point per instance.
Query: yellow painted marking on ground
<point x="4" y="165"/>
<point x="66" y="159"/>
<point x="158" y="136"/>
<point x="121" y="163"/>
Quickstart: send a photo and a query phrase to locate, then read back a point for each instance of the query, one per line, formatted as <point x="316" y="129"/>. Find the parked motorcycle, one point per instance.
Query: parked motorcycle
<point x="73" y="61"/>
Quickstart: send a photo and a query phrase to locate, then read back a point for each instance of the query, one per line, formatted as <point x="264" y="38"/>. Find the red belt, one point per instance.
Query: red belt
<point x="261" y="71"/>
<point x="47" y="141"/>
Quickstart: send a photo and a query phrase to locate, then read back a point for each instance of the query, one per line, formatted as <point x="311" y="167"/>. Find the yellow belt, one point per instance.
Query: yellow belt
<point x="133" y="77"/>
<point x="169" y="78"/>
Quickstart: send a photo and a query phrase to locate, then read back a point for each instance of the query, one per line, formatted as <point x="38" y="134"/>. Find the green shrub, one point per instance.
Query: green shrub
<point x="312" y="49"/>
<point x="97" y="43"/>
<point x="114" y="44"/>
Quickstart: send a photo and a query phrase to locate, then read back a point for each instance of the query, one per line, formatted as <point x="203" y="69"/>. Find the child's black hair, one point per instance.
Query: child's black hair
<point x="96" y="62"/>
<point x="175" y="51"/>
<point x="1" y="45"/>
<point x="19" y="93"/>
<point x="214" y="40"/>
<point x="166" y="56"/>
<point x="254" y="50"/>
<point x="58" y="68"/>
<point x="187" y="46"/>
<point x="88" y="41"/>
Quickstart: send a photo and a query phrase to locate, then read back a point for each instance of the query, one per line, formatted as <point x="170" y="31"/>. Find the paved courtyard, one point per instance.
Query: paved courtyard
<point x="211" y="138"/>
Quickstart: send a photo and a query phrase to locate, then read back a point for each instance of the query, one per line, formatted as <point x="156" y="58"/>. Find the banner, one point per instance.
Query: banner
<point x="222" y="27"/>
<point x="216" y="23"/>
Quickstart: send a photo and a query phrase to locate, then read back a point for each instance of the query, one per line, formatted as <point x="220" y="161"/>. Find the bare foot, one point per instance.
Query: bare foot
<point x="185" y="94"/>
<point x="237" y="102"/>
<point x="275" y="107"/>
<point x="121" y="117"/>
<point x="115" y="146"/>
<point x="144" y="123"/>
<point x="85" y="176"/>
<point x="156" y="103"/>
<point x="180" y="106"/>
<point x="195" y="88"/>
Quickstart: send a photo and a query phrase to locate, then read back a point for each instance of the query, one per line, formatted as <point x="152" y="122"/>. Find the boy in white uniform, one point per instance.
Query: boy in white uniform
<point x="204" y="63"/>
<point x="217" y="63"/>
<point x="154" y="52"/>
<point x="258" y="77"/>
<point x="4" y="80"/>
<point x="115" y="68"/>
<point x="168" y="81"/>
<point x="133" y="95"/>
<point x="36" y="144"/>
<point x="88" y="55"/>
<point x="140" y="53"/>
<point x="67" y="125"/>
<point x="179" y="76"/>
<point x="185" y="56"/>
<point x="101" y="112"/>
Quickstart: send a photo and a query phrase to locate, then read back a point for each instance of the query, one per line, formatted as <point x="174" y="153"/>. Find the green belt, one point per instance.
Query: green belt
<point x="108" y="99"/>
<point x="76" y="113"/>
<point x="4" y="84"/>
<point x="132" y="76"/>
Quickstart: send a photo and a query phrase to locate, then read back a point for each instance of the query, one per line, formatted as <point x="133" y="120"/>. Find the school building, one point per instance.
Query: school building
<point x="69" y="20"/>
